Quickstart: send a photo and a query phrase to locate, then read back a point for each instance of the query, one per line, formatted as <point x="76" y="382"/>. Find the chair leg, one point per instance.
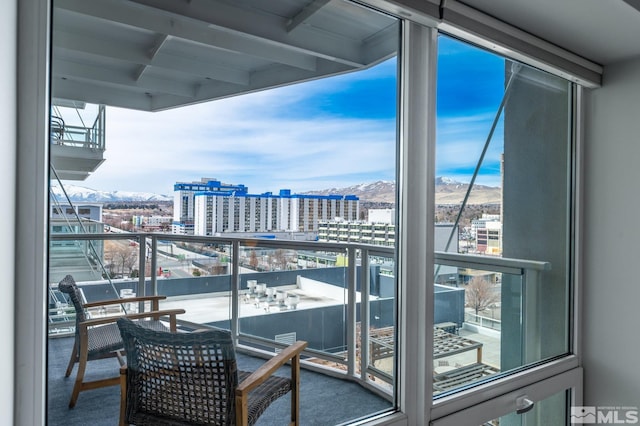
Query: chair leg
<point x="242" y="411"/>
<point x="295" y="391"/>
<point x="82" y="365"/>
<point x="73" y="359"/>
<point x="123" y="395"/>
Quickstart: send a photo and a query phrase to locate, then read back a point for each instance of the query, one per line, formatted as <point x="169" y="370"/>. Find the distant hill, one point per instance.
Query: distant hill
<point x="448" y="191"/>
<point x="87" y="195"/>
<point x="380" y="191"/>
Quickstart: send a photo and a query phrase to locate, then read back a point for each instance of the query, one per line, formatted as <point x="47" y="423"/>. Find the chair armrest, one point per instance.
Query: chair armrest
<point x="106" y="320"/>
<point x="258" y="377"/>
<point x="123" y="300"/>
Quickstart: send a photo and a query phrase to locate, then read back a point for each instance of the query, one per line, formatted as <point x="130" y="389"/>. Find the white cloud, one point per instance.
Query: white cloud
<point x="262" y="140"/>
<point x="461" y="141"/>
<point x="249" y="139"/>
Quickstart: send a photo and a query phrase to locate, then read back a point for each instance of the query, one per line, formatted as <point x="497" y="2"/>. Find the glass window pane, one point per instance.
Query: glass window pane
<point x="550" y="411"/>
<point x="382" y="354"/>
<point x="195" y="276"/>
<point x="503" y="213"/>
<point x="254" y="142"/>
<point x="296" y="294"/>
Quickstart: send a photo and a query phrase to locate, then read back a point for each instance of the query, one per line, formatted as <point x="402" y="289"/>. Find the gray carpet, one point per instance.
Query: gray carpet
<point x="323" y="400"/>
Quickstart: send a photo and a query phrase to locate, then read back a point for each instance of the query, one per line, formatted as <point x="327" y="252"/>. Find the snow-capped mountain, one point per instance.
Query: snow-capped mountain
<point x="448" y="191"/>
<point x="83" y="194"/>
<point x="380" y="191"/>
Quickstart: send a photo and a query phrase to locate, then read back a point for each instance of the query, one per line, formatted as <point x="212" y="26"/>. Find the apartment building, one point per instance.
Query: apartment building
<point x="184" y="203"/>
<point x="487" y="233"/>
<point x="378" y="229"/>
<point x="578" y="51"/>
<point x="216" y="212"/>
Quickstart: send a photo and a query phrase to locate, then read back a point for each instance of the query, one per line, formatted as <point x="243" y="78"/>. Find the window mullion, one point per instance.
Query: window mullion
<point x="416" y="215"/>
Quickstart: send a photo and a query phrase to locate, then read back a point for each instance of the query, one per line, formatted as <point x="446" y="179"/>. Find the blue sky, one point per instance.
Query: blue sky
<point x="470" y="89"/>
<point x="328" y="133"/>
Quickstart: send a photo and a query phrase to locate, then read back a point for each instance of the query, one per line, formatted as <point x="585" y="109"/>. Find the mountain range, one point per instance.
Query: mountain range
<point x="448" y="191"/>
<point x="87" y="195"/>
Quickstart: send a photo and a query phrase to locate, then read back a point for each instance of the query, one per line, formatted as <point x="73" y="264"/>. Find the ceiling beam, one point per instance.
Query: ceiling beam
<point x="127" y="53"/>
<point x="113" y="78"/>
<point x="161" y="40"/>
<point x="270" y="29"/>
<point x="273" y="77"/>
<point x="93" y="94"/>
<point x="308" y="11"/>
<point x="161" y="22"/>
<point x="383" y="44"/>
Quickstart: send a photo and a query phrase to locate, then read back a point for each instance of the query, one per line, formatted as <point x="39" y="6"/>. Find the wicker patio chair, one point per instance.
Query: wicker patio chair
<point x="192" y="378"/>
<point x="98" y="338"/>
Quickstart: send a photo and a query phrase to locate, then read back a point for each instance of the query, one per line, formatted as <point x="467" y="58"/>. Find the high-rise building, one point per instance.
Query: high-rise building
<point x="210" y="207"/>
<point x="183" y="202"/>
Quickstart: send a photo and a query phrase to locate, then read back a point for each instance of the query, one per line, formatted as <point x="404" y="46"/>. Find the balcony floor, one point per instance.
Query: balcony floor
<point x="324" y="400"/>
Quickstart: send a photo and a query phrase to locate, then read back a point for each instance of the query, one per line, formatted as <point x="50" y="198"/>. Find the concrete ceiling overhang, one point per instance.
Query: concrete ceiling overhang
<point x="158" y="54"/>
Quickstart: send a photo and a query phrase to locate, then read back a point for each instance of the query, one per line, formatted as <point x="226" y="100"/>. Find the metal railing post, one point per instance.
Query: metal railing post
<point x="365" y="316"/>
<point x="351" y="310"/>
<point x="154" y="265"/>
<point x="235" y="288"/>
<point x="141" y="266"/>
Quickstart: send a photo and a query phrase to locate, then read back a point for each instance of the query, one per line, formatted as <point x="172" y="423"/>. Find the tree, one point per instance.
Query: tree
<point x="122" y="258"/>
<point x="253" y="260"/>
<point x="279" y="259"/>
<point x="480" y="294"/>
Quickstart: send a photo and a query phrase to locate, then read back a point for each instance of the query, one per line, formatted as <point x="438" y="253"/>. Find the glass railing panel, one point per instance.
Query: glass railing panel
<point x="195" y="275"/>
<point x="467" y="341"/>
<point x="382" y="340"/>
<point x="103" y="269"/>
<point x="291" y="294"/>
<point x="474" y="297"/>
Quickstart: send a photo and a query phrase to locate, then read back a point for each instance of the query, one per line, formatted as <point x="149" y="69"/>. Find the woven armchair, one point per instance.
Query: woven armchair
<point x="98" y="338"/>
<point x="192" y="378"/>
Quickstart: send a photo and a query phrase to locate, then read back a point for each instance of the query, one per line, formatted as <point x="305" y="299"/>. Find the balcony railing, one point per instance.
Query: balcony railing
<point x="215" y="280"/>
<point x="482" y="321"/>
<point x="88" y="137"/>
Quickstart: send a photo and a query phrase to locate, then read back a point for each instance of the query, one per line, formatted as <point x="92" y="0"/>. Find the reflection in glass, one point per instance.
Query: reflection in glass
<point x="550" y="411"/>
<point x="502" y="273"/>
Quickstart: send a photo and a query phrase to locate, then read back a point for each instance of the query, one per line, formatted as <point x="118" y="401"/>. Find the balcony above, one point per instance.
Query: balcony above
<point x="75" y="163"/>
<point x="77" y="150"/>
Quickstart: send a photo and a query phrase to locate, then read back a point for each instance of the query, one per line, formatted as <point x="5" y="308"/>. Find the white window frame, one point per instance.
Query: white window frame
<point x="32" y="210"/>
<point x="415" y="258"/>
<point x="415" y="249"/>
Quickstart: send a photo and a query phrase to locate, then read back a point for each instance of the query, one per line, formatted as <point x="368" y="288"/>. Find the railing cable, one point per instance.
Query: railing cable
<point x="84" y="231"/>
<point x="515" y="68"/>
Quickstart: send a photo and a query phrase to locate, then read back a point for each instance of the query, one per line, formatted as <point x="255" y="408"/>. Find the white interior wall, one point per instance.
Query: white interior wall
<point x="8" y="162"/>
<point x="611" y="333"/>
